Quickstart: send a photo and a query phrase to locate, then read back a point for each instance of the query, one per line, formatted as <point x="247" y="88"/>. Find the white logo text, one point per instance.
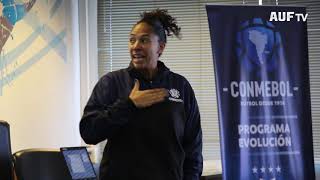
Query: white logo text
<point x="287" y="16"/>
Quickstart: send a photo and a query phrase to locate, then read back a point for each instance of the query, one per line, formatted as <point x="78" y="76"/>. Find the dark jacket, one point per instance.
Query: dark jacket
<point x="160" y="142"/>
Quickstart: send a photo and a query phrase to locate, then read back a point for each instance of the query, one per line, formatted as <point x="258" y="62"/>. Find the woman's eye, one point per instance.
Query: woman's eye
<point x="145" y="40"/>
<point x="131" y="40"/>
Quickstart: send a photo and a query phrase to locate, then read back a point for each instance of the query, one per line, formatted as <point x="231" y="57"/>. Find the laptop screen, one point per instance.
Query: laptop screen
<point x="78" y="162"/>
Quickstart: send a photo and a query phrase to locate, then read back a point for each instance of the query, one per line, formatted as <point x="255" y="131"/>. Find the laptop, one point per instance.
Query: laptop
<point x="79" y="163"/>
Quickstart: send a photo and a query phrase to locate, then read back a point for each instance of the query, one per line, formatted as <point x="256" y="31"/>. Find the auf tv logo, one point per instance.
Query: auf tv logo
<point x="287" y="16"/>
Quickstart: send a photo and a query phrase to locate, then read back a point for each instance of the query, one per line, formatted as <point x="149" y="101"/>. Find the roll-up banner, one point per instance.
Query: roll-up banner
<point x="260" y="55"/>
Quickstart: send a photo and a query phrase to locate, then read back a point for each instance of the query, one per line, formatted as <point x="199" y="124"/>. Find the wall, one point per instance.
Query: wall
<point x="39" y="77"/>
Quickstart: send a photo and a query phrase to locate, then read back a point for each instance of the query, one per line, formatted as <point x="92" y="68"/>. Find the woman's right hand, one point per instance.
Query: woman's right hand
<point x="148" y="97"/>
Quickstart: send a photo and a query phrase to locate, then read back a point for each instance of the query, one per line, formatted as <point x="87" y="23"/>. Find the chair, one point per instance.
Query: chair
<point x="40" y="164"/>
<point x="6" y="171"/>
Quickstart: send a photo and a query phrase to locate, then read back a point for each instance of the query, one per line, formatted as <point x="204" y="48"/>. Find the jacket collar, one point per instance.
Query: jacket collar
<point x="162" y="70"/>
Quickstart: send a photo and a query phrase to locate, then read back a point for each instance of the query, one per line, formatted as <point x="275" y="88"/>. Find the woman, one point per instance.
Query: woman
<point x="148" y="114"/>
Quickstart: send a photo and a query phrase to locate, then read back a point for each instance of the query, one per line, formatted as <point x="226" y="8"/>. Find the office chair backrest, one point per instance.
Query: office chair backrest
<point x="6" y="171"/>
<point x="40" y="164"/>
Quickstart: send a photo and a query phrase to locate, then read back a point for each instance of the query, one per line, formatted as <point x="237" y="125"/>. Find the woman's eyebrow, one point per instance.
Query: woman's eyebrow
<point x="144" y="35"/>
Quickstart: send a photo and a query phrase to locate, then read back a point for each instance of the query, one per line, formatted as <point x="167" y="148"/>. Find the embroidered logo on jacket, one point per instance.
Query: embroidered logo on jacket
<point x="174" y="95"/>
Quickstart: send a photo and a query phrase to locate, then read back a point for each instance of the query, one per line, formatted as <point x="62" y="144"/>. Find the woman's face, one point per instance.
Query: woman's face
<point x="144" y="47"/>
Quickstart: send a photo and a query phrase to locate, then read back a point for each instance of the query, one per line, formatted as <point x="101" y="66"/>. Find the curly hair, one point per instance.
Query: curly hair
<point x="162" y="23"/>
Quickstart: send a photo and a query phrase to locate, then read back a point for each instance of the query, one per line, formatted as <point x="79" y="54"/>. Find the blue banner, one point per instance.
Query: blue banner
<point x="262" y="81"/>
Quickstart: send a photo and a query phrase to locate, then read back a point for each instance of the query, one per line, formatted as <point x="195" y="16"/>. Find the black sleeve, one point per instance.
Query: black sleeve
<point x="192" y="139"/>
<point x="104" y="113"/>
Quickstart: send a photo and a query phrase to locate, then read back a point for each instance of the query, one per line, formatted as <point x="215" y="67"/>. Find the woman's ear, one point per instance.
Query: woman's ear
<point x="162" y="45"/>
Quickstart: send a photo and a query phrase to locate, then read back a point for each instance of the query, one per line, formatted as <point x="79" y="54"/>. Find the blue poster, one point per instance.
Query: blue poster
<point x="262" y="82"/>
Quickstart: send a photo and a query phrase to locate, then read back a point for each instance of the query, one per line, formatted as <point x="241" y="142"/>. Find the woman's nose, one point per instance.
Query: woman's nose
<point x="136" y="45"/>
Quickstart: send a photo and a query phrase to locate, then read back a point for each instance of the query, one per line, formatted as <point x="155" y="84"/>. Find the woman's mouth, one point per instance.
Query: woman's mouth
<point x="137" y="57"/>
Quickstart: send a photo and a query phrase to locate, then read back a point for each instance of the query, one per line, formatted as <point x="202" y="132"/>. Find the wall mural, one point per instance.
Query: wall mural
<point x="23" y="23"/>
